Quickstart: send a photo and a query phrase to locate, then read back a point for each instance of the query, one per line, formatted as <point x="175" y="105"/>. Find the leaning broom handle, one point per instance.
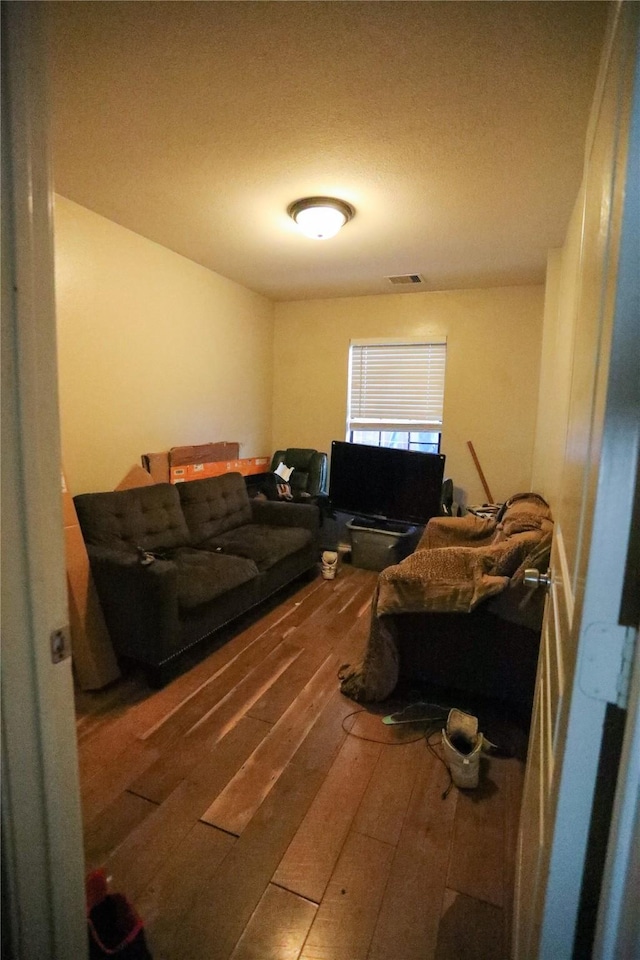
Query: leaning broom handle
<point x="479" y="469"/>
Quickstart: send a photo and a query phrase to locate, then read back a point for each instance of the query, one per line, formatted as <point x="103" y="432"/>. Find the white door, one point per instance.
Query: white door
<point x="584" y="641"/>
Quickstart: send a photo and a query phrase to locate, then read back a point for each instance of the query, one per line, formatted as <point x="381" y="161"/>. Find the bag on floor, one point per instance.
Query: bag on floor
<point x="115" y="929"/>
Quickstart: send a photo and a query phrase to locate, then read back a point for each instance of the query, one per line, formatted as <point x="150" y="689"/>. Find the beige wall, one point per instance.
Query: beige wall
<point x="557" y="359"/>
<point x="578" y="325"/>
<point x="491" y="391"/>
<point x="154" y="352"/>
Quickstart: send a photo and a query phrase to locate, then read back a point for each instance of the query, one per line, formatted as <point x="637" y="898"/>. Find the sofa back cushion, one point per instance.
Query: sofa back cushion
<point x="147" y="517"/>
<point x="214" y="505"/>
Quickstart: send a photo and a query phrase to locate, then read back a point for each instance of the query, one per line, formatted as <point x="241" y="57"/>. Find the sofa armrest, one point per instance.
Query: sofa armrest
<point x="140" y="603"/>
<point x="523" y="603"/>
<point x="520" y="603"/>
<point x="278" y="513"/>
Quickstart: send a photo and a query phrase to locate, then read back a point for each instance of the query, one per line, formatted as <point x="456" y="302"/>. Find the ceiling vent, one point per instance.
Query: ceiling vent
<point x="406" y="278"/>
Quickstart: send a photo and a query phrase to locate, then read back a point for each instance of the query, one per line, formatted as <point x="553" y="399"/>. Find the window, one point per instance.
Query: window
<point x="396" y="394"/>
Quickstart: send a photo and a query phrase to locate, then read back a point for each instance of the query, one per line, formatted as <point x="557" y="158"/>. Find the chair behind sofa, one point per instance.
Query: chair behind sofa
<point x="309" y="470"/>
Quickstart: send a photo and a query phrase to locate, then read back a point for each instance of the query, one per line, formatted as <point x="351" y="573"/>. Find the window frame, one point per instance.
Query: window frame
<point x="365" y="356"/>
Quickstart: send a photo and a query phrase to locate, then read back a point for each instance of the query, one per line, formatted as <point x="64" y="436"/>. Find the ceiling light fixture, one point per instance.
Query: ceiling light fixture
<point x="320" y="217"/>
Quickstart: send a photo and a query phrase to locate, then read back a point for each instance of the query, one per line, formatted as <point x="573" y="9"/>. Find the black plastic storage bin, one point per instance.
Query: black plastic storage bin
<point x="376" y="546"/>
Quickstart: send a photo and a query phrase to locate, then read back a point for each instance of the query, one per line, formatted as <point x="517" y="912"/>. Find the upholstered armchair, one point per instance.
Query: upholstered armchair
<point x="309" y="477"/>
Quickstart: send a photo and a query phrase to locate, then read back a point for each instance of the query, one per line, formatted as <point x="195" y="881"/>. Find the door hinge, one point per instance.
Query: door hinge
<point x="60" y="643"/>
<point x="624" y="679"/>
<point x="605" y="668"/>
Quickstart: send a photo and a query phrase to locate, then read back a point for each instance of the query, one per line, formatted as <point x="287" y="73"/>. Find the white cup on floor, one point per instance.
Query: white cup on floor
<point x="329" y="564"/>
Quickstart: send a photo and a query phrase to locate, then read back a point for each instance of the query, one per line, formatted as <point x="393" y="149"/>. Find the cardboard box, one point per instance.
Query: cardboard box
<point x="203" y="453"/>
<point x="197" y="471"/>
<point x="94" y="662"/>
<point x="157" y="465"/>
<point x="199" y="461"/>
<point x="69" y="516"/>
<point x="136" y="477"/>
<point x="257" y="465"/>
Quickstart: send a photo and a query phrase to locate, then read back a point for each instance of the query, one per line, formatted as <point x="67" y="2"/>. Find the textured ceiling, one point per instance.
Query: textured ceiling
<point x="456" y="129"/>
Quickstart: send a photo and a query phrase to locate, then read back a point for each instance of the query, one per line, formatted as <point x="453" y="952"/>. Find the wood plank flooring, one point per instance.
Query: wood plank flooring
<point x="251" y="812"/>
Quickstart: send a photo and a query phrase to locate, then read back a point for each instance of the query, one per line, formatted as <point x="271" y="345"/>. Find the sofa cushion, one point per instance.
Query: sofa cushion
<point x="147" y="517"/>
<point x="213" y="505"/>
<point x="263" y="544"/>
<point x="205" y="575"/>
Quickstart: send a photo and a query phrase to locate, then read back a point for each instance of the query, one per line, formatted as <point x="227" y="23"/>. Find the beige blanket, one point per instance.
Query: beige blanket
<point x="459" y="563"/>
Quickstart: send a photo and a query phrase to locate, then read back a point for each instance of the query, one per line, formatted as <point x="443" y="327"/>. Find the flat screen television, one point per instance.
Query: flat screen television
<point x="385" y="484"/>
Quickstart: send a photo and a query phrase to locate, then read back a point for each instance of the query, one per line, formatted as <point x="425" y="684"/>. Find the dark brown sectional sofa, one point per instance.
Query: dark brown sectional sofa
<point x="174" y="563"/>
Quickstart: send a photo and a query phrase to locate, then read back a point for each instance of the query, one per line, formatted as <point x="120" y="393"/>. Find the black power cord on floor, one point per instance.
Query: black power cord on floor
<point x="439" y="717"/>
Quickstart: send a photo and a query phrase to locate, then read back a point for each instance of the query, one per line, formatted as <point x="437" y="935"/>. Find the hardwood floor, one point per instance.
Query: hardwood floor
<point x="251" y="812"/>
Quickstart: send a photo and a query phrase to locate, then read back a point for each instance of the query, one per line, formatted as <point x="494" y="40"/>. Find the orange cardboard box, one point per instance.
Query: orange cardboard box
<point x="197" y="471"/>
<point x="257" y="465"/>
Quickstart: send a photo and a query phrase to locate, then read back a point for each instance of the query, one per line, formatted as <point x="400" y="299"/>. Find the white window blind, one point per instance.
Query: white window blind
<point x="396" y="386"/>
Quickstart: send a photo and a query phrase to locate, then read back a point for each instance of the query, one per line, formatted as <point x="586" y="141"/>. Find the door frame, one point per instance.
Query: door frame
<point x="618" y="923"/>
<point x="42" y="853"/>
